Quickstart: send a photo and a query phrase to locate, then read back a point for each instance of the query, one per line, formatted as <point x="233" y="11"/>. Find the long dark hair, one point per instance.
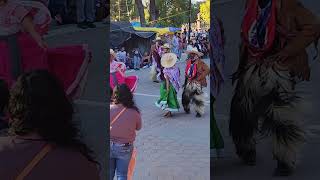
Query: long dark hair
<point x="122" y="95"/>
<point x="38" y="104"/>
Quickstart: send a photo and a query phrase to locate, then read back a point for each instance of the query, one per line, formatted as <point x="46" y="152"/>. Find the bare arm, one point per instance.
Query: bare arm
<point x="28" y="26"/>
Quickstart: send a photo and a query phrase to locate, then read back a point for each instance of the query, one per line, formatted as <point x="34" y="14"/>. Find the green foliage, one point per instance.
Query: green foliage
<point x="171" y="12"/>
<point x="123" y="10"/>
<point x="205" y="11"/>
<point x="175" y="12"/>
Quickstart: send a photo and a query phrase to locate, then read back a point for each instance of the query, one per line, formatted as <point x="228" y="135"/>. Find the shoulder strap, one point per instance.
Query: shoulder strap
<point x="117" y="117"/>
<point x="26" y="171"/>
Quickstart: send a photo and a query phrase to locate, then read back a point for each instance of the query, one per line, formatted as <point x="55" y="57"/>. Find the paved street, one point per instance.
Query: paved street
<point x="230" y="167"/>
<point x="91" y="109"/>
<point x="170" y="149"/>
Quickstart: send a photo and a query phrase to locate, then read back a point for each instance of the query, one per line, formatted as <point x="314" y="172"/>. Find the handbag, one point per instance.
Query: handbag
<point x="26" y="171"/>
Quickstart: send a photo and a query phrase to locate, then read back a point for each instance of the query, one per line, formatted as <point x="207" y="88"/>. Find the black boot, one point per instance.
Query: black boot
<point x="283" y="169"/>
<point x="198" y="115"/>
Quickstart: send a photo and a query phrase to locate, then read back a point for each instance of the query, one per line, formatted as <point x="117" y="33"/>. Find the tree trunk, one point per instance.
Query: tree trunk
<point x="153" y="11"/>
<point x="141" y="12"/>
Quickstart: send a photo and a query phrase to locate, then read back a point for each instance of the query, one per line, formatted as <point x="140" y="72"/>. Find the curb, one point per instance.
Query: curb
<point x="221" y="2"/>
<point x="72" y="28"/>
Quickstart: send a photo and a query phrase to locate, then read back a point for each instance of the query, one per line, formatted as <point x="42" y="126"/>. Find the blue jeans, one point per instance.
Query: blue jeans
<point x="136" y="62"/>
<point x="120" y="156"/>
<point x="86" y="10"/>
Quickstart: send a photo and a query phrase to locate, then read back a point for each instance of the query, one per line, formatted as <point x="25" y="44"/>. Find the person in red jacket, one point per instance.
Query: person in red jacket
<point x="196" y="73"/>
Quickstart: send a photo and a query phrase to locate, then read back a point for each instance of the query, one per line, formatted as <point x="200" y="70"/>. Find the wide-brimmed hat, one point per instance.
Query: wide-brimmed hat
<point x="194" y="51"/>
<point x="113" y="53"/>
<point x="157" y="39"/>
<point x="168" y="60"/>
<point x="166" y="46"/>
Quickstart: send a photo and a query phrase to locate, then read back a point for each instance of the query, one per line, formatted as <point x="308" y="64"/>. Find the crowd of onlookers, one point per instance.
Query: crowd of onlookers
<point x="178" y="43"/>
<point x="82" y="12"/>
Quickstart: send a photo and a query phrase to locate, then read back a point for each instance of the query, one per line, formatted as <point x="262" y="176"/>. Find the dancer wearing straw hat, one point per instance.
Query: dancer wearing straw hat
<point x="117" y="74"/>
<point x="169" y="88"/>
<point x="196" y="73"/>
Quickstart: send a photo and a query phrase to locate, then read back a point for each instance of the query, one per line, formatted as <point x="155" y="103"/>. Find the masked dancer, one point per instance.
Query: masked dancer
<point x="195" y="80"/>
<point x="275" y="34"/>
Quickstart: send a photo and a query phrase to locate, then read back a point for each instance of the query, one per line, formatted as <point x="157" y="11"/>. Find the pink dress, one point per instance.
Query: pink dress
<point x="117" y="76"/>
<point x="69" y="63"/>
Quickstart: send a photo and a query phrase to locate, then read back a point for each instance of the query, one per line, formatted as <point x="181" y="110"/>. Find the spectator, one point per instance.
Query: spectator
<point x="42" y="131"/>
<point x="62" y="11"/>
<point x="190" y="45"/>
<point x="136" y="60"/>
<point x="125" y="121"/>
<point x="146" y="60"/>
<point x="86" y="13"/>
<point x="122" y="55"/>
<point x="129" y="62"/>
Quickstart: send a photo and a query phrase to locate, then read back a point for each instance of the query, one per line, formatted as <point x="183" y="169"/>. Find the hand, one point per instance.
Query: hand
<point x="43" y="44"/>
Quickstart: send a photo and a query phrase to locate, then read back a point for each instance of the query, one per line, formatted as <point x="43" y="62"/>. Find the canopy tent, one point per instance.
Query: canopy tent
<point x="160" y="31"/>
<point x="123" y="34"/>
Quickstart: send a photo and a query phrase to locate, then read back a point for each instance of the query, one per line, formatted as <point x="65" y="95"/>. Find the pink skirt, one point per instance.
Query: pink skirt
<point x="130" y="81"/>
<point x="69" y="63"/>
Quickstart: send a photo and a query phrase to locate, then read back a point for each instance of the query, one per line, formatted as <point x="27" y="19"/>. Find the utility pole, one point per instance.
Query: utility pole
<point x="190" y="13"/>
<point x="119" y="10"/>
<point x="128" y="11"/>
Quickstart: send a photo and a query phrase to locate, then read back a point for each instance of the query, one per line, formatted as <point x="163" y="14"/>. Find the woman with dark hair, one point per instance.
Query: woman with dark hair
<point x="43" y="138"/>
<point x="125" y="121"/>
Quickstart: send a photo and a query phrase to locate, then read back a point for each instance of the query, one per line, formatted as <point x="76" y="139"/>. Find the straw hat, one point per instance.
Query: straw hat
<point x="194" y="51"/>
<point x="113" y="53"/>
<point x="168" y="60"/>
<point x="157" y="39"/>
<point x="165" y="46"/>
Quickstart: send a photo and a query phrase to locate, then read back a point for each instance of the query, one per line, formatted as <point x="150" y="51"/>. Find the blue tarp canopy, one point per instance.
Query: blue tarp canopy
<point x="174" y="29"/>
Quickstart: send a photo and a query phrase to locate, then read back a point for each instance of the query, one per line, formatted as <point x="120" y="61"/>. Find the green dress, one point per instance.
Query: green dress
<point x="216" y="140"/>
<point x="168" y="99"/>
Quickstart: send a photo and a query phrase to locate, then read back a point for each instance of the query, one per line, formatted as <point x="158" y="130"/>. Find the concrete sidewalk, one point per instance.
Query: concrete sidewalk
<point x="170" y="149"/>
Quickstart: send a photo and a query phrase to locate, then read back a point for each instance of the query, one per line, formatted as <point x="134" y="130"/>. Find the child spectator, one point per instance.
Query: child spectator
<point x="136" y="60"/>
